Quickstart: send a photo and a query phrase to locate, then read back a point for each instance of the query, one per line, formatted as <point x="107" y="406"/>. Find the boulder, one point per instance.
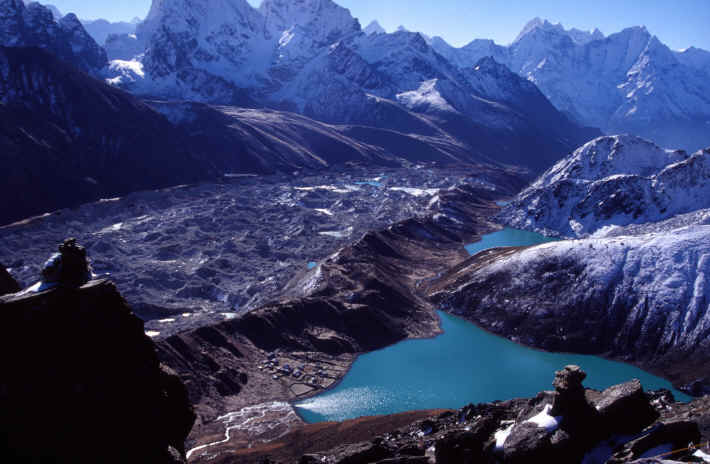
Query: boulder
<point x="68" y="267"/>
<point x="7" y="283"/>
<point x="462" y="447"/>
<point x="365" y="453"/>
<point x="675" y="435"/>
<point x="528" y="443"/>
<point x="625" y="409"/>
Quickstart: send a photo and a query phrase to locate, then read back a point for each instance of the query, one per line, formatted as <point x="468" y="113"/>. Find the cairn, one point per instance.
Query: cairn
<point x="70" y="267"/>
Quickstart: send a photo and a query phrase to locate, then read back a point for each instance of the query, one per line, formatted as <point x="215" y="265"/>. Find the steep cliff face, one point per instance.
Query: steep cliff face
<point x="82" y="367"/>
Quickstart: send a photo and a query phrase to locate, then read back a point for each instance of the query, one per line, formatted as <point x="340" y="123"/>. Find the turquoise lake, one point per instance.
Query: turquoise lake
<point x="370" y="182"/>
<point x="507" y="237"/>
<point x="464" y="365"/>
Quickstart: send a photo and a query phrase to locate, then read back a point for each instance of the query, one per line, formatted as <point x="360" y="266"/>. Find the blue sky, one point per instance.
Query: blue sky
<point x="678" y="23"/>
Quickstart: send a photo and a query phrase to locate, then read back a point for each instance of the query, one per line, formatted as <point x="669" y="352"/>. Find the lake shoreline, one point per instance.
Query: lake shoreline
<point x="527" y="239"/>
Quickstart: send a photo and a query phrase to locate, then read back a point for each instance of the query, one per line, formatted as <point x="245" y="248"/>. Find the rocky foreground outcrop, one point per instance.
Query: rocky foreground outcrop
<point x="568" y="425"/>
<point x="81" y="382"/>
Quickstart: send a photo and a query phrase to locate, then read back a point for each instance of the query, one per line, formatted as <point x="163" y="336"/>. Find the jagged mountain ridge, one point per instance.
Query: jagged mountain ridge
<point x="101" y="29"/>
<point x="626" y="82"/>
<point x="312" y="57"/>
<point x="374" y="28"/>
<point x="580" y="37"/>
<point x="612" y="181"/>
<point x="35" y="25"/>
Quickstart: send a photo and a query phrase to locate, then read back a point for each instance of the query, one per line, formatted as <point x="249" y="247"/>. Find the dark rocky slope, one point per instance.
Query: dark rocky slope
<point x="81" y="382"/>
<point x="261" y="141"/>
<point x="67" y="138"/>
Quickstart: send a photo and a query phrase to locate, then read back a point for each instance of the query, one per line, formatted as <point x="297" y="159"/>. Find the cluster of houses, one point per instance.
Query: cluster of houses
<point x="272" y="364"/>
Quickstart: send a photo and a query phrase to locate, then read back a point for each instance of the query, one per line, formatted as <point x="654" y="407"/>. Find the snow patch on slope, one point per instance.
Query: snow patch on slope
<point x="424" y="98"/>
<point x="612" y="181"/>
<point x="661" y="279"/>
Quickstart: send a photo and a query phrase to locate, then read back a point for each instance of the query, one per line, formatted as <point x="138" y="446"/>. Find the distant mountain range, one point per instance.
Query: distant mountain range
<point x="35" y="25"/>
<point x="387" y="97"/>
<point x="312" y="57"/>
<point x="626" y="82"/>
<point x="99" y="29"/>
<point x="297" y="56"/>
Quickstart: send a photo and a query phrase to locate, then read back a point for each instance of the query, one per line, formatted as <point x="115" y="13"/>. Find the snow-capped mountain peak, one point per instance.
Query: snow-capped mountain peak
<point x="325" y="20"/>
<point x="608" y="156"/>
<point x="35" y="25"/>
<point x="628" y="82"/>
<point x="578" y="36"/>
<point x="612" y="181"/>
<point x="374" y="28"/>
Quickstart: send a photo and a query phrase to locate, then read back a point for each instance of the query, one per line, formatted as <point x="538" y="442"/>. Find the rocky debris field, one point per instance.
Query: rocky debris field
<point x="193" y="255"/>
<point x="359" y="299"/>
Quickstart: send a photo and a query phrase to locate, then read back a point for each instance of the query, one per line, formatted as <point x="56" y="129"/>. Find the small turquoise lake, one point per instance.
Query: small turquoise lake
<point x="464" y="365"/>
<point x="507" y="238"/>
